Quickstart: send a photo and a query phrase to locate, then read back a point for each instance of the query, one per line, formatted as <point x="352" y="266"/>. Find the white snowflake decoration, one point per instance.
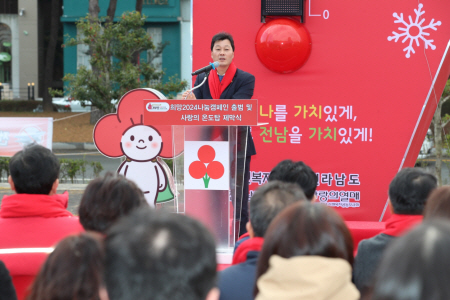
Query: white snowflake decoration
<point x="414" y="26"/>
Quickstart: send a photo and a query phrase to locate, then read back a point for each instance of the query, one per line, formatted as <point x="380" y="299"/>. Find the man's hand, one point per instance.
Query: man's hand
<point x="189" y="95"/>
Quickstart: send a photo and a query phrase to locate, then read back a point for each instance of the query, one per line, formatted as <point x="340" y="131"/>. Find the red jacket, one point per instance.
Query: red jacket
<point x="28" y="223"/>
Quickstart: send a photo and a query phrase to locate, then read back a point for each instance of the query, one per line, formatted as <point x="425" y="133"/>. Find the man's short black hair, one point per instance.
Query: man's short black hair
<point x="220" y="37"/>
<point x="269" y="200"/>
<point x="409" y="190"/>
<point x="106" y="199"/>
<point x="296" y="172"/>
<point x="34" y="170"/>
<point x="159" y="255"/>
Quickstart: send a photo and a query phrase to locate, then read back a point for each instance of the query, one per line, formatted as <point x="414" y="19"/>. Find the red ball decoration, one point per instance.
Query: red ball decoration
<point x="283" y="45"/>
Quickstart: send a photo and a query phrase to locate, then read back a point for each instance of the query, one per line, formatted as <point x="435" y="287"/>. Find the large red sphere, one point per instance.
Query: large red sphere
<point x="283" y="45"/>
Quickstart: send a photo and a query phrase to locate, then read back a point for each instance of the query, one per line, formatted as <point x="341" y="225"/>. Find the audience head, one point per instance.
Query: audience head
<point x="106" y="199"/>
<point x="34" y="170"/>
<point x="414" y="266"/>
<point x="306" y="228"/>
<point x="409" y="190"/>
<point x="268" y="201"/>
<point x="160" y="255"/>
<point x="438" y="204"/>
<point x="296" y="172"/>
<point x="72" y="271"/>
<point x="306" y="233"/>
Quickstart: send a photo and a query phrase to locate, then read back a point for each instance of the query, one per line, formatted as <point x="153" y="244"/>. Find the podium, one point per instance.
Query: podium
<point x="204" y="140"/>
<point x="208" y="142"/>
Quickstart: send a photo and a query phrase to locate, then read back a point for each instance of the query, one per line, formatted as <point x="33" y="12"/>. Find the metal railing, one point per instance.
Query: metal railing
<point x="28" y="93"/>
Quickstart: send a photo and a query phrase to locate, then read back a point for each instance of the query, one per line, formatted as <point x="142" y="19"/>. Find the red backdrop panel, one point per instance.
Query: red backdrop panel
<point x="352" y="64"/>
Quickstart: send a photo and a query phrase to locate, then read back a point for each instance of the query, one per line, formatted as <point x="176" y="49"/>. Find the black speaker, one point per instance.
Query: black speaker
<point x="281" y="8"/>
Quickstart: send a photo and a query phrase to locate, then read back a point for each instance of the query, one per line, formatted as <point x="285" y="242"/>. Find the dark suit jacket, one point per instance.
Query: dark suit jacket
<point x="368" y="258"/>
<point x="238" y="281"/>
<point x="7" y="290"/>
<point x="241" y="87"/>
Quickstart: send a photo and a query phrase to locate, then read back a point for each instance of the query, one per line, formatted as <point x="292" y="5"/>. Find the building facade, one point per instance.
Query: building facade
<point x="18" y="47"/>
<point x="166" y="21"/>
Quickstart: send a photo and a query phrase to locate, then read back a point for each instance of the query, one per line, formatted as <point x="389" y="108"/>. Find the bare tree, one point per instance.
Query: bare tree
<point x="111" y="12"/>
<point x="94" y="9"/>
<point x="439" y="125"/>
<point x="139" y="4"/>
<point x="50" y="57"/>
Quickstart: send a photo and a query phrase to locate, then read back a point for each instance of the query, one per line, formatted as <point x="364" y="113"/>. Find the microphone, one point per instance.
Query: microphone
<point x="208" y="68"/>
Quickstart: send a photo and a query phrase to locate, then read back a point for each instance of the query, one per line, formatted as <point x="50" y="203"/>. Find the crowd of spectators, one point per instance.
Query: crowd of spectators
<point x="295" y="248"/>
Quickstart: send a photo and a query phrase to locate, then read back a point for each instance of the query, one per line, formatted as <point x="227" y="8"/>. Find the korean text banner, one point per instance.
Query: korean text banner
<point x="358" y="109"/>
<point x="16" y="133"/>
<point x="201" y="112"/>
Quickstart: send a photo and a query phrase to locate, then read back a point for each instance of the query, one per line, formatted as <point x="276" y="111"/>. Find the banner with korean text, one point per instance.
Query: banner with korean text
<point x="201" y="112"/>
<point x="358" y="109"/>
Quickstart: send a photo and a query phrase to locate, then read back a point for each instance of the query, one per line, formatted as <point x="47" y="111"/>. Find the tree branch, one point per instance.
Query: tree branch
<point x="139" y="4"/>
<point x="111" y="11"/>
<point x="94" y="9"/>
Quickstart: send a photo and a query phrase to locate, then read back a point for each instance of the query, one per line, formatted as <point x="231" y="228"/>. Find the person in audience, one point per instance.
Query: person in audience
<point x="106" y="199"/>
<point x="72" y="271"/>
<point x="414" y="266"/>
<point x="438" y="204"/>
<point x="35" y="216"/>
<point x="237" y="281"/>
<point x="307" y="254"/>
<point x="408" y="193"/>
<point x="296" y="172"/>
<point x="291" y="172"/>
<point x="160" y="256"/>
<point x="7" y="290"/>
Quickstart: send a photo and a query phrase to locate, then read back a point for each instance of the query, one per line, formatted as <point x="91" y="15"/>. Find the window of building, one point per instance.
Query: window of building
<point x="9" y="7"/>
<point x="153" y="56"/>
<point x="5" y="54"/>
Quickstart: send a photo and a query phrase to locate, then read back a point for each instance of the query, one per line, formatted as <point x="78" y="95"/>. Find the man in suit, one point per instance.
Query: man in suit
<point x="408" y="193"/>
<point x="229" y="82"/>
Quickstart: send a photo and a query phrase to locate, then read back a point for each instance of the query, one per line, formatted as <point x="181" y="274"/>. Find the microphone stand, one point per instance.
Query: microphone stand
<point x="204" y="79"/>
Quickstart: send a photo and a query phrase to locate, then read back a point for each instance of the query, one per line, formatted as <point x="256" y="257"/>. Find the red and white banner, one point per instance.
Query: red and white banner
<point x="201" y="112"/>
<point x="358" y="110"/>
<point x="16" y="133"/>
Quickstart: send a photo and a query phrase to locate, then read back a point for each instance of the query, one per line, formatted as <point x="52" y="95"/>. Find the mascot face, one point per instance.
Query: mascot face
<point x="141" y="143"/>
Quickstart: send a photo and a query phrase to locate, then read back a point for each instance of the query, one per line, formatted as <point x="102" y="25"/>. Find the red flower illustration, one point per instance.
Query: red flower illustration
<point x="206" y="167"/>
